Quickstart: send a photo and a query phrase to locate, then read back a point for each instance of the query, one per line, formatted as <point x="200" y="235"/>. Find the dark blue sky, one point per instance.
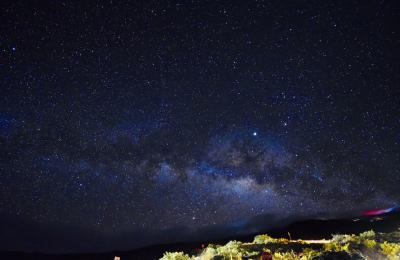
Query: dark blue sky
<point x="124" y="118"/>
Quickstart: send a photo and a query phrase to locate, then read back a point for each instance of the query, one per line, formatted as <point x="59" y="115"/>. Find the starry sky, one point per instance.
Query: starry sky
<point x="124" y="122"/>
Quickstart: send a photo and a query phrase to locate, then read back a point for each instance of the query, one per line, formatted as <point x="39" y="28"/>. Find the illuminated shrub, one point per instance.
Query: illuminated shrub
<point x="208" y="253"/>
<point x="263" y="239"/>
<point x="391" y="250"/>
<point x="370" y="243"/>
<point x="309" y="253"/>
<point x="339" y="247"/>
<point x="343" y="239"/>
<point x="251" y="254"/>
<point x="175" y="256"/>
<point x="232" y="250"/>
<point x="336" y="247"/>
<point x="282" y="240"/>
<point x="370" y="234"/>
<point x="285" y="256"/>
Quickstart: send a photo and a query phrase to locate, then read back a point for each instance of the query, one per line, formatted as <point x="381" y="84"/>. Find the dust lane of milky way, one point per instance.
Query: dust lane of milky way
<point x="135" y="120"/>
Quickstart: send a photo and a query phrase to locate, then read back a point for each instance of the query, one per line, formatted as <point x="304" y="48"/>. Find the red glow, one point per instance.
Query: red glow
<point x="374" y="212"/>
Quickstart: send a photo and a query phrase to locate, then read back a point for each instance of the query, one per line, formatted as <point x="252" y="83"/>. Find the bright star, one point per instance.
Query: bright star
<point x="254" y="133"/>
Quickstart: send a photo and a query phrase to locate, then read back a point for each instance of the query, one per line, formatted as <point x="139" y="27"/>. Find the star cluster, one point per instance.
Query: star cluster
<point x="124" y="117"/>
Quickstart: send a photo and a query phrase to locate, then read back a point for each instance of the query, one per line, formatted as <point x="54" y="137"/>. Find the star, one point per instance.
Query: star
<point x="123" y="121"/>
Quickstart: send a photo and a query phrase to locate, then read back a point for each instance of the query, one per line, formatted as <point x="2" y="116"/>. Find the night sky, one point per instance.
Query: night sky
<point x="127" y="123"/>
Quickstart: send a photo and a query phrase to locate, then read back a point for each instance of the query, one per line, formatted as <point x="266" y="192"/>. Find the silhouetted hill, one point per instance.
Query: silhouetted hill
<point x="307" y="229"/>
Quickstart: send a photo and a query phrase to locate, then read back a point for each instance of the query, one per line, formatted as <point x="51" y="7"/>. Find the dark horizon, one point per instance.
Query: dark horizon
<point x="303" y="230"/>
<point x="131" y="123"/>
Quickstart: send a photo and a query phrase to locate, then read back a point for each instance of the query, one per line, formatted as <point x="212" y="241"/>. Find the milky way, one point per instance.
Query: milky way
<point x="124" y="119"/>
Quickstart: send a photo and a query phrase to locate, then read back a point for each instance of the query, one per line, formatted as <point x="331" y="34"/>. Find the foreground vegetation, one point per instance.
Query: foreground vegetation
<point x="366" y="245"/>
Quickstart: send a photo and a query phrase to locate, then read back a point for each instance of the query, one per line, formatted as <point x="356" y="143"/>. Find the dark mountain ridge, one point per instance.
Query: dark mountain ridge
<point x="306" y="229"/>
